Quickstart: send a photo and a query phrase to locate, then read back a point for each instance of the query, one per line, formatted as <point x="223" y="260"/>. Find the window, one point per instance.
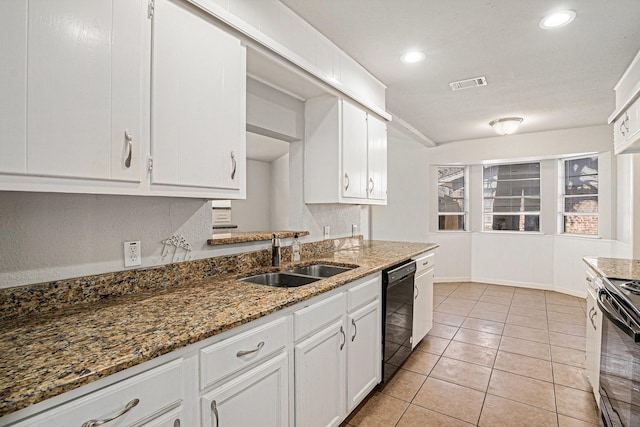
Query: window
<point x="512" y="197"/>
<point x="579" y="208"/>
<point x="452" y="212"/>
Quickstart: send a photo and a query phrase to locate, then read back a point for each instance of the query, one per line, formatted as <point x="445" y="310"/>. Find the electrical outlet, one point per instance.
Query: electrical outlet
<point x="132" y="256"/>
<point x="354" y="230"/>
<point x="325" y="232"/>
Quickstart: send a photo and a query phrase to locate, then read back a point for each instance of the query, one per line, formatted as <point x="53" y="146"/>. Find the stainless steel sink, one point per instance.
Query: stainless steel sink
<point x="280" y="280"/>
<point x="320" y="270"/>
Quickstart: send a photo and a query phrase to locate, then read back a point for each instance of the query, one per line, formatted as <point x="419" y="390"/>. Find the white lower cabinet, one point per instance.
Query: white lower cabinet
<point x="257" y="398"/>
<point x="337" y="354"/>
<point x="594" y="336"/>
<point x="363" y="369"/>
<point x="143" y="399"/>
<point x="325" y="357"/>
<point x="319" y="377"/>
<point x="423" y="298"/>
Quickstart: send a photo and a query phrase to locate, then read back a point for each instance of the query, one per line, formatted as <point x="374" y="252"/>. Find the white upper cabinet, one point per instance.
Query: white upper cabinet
<point x="70" y="98"/>
<point x="198" y="102"/>
<point x="626" y="117"/>
<point x="377" y="158"/>
<point x="345" y="154"/>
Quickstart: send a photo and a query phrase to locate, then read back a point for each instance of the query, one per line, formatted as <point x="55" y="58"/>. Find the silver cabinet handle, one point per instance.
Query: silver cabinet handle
<point x="214" y="410"/>
<point x="176" y="423"/>
<point x="235" y="165"/>
<point x="129" y="139"/>
<point x="622" y="128"/>
<point x="417" y="292"/>
<point x="344" y="337"/>
<point x="372" y="185"/>
<point x="245" y="352"/>
<point x="94" y="423"/>
<point x="346" y="178"/>
<point x="355" y="329"/>
<point x="426" y="262"/>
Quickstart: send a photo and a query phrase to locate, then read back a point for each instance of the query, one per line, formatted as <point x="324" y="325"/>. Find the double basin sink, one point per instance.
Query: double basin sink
<point x="297" y="276"/>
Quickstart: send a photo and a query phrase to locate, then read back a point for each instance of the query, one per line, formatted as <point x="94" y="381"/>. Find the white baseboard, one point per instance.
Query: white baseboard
<point x="451" y="279"/>
<point x="492" y="281"/>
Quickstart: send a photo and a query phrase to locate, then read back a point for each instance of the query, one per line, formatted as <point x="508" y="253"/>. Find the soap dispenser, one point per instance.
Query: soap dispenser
<point x="295" y="248"/>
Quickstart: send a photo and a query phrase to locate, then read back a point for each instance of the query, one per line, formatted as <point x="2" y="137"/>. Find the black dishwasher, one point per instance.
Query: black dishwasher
<point x="397" y="319"/>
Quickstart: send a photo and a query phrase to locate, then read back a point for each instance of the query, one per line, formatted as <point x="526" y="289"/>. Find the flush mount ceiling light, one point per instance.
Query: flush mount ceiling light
<point x="412" y="57"/>
<point x="557" y="19"/>
<point x="506" y="126"/>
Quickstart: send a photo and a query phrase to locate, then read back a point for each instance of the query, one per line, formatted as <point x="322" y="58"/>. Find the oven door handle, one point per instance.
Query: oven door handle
<point x="608" y="311"/>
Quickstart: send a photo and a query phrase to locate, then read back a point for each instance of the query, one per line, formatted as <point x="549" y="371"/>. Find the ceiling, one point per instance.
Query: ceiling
<point x="554" y="79"/>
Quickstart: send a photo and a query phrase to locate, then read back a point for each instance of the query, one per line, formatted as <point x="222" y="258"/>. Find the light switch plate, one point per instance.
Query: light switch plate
<point x="132" y="256"/>
<point x="325" y="232"/>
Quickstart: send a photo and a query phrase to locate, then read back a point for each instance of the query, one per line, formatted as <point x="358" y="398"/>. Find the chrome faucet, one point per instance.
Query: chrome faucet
<point x="275" y="251"/>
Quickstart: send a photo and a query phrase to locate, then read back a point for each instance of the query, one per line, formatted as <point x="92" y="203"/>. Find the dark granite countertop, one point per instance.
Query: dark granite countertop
<point x="46" y="354"/>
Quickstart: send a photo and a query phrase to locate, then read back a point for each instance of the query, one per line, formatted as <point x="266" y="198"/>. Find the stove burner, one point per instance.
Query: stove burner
<point x="633" y="287"/>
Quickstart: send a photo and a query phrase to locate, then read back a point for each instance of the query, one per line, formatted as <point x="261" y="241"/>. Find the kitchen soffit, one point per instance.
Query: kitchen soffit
<point x="556" y="79"/>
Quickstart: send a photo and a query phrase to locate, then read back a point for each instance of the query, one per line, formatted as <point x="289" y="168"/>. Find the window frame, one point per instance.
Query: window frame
<point x="537" y="213"/>
<point x="562" y="213"/>
<point x="465" y="212"/>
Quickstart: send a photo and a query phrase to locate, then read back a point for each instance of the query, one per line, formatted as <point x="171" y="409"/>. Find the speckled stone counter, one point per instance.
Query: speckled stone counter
<point x="46" y="354"/>
<point x="254" y="236"/>
<point x="617" y="268"/>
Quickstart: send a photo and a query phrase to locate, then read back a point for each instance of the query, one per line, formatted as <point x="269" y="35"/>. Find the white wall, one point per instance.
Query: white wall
<point x="254" y="213"/>
<point x="279" y="191"/>
<point x="544" y="260"/>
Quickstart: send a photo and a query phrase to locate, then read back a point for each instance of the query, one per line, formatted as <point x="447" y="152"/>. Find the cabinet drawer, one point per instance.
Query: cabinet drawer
<point x="312" y="318"/>
<point x="425" y="261"/>
<point x="364" y="293"/>
<point x="157" y="390"/>
<point x="235" y="353"/>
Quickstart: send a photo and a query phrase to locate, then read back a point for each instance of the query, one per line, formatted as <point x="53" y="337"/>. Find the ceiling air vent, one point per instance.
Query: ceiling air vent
<point x="469" y="83"/>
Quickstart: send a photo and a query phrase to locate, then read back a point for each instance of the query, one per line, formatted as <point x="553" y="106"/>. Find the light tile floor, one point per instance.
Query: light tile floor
<point x="496" y="356"/>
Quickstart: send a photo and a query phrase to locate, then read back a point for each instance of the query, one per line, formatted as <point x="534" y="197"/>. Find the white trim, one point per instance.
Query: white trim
<point x="451" y="279"/>
<point x="490" y="281"/>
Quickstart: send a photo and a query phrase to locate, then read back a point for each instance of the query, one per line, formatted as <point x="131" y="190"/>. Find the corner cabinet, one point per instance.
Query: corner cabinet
<point x="198" y="103"/>
<point x="71" y="95"/>
<point x="345" y="154"/>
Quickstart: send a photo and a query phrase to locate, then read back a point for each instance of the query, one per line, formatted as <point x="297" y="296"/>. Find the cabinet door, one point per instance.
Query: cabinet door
<point x="354" y="151"/>
<point x="257" y="398"/>
<point x="71" y="103"/>
<point x="320" y="377"/>
<point x="422" y="306"/>
<point x="377" y="158"/>
<point x="364" y="352"/>
<point x="198" y="100"/>
<point x="594" y="328"/>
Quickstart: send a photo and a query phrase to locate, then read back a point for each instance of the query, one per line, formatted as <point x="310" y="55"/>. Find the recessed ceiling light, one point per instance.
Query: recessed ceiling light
<point x="413" y="56"/>
<point x="557" y="19"/>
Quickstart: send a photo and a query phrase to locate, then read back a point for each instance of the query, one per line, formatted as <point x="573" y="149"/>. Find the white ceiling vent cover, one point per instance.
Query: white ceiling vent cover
<point x="469" y="83"/>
